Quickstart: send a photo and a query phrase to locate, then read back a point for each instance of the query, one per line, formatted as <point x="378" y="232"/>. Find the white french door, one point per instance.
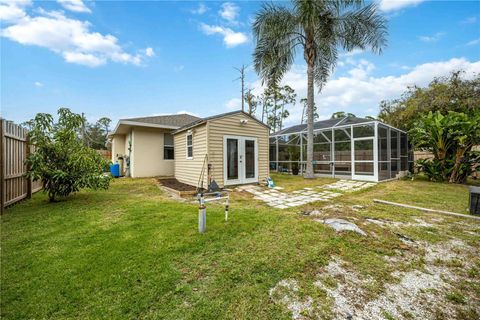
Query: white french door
<point x="240" y="160"/>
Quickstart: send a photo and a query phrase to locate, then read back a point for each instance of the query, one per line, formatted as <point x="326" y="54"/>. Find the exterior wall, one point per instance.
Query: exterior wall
<point x="118" y="146"/>
<point x="230" y="125"/>
<point x="188" y="170"/>
<point x="147" y="154"/>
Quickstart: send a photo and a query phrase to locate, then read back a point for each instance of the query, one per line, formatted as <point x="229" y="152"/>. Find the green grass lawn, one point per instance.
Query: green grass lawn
<point x="132" y="252"/>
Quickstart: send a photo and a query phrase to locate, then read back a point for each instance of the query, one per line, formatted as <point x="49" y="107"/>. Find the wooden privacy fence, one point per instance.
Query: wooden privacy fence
<point x="14" y="149"/>
<point x="106" y="154"/>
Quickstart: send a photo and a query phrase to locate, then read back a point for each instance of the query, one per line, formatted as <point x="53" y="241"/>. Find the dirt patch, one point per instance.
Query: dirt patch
<point x="176" y="185"/>
<point x="423" y="293"/>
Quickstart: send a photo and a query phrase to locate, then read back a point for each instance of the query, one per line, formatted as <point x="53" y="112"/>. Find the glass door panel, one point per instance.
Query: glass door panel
<point x="232" y="159"/>
<point x="250" y="159"/>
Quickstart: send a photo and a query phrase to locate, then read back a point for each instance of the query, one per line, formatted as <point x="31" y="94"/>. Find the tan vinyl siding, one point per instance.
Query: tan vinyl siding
<point x="188" y="170"/>
<point x="230" y="125"/>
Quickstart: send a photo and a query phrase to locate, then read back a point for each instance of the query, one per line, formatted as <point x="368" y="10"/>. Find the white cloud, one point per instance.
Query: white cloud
<point x="12" y="11"/>
<point x="394" y="5"/>
<point x="74" y="5"/>
<point x="230" y="37"/>
<point x="469" y="20"/>
<point x="70" y="38"/>
<point x="360" y="92"/>
<point x="434" y="38"/>
<point x="473" y="42"/>
<point x="85" y="59"/>
<point x="352" y="53"/>
<point x="201" y="9"/>
<point x="149" y="52"/>
<point x="229" y="11"/>
<point x="234" y="104"/>
<point x="38" y="84"/>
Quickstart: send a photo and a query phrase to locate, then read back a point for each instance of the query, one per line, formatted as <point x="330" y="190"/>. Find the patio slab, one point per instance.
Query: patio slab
<point x="282" y="200"/>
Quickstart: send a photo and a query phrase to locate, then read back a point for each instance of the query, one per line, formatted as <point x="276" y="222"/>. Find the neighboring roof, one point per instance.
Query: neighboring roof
<point x="324" y="124"/>
<point x="204" y="120"/>
<point x="174" y="120"/>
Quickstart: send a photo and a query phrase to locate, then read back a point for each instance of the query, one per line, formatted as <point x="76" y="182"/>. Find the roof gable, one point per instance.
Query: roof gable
<point x="218" y="116"/>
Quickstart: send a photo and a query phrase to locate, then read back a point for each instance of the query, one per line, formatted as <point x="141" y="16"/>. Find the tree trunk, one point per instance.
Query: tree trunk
<point x="454" y="178"/>
<point x="310" y="103"/>
<point x="275" y="114"/>
<point x="263" y="110"/>
<point x="281" y="117"/>
<point x="51" y="196"/>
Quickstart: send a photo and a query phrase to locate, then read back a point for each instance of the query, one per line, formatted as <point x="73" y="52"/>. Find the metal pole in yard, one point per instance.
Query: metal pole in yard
<point x="226" y="209"/>
<point x="202" y="215"/>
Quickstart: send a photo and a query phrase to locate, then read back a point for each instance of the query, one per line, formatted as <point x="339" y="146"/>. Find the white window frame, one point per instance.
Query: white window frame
<point x="241" y="159"/>
<point x="187" y="146"/>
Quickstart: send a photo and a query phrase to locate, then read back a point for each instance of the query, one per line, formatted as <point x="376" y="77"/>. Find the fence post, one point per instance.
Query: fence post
<point x="2" y="166"/>
<point x="27" y="167"/>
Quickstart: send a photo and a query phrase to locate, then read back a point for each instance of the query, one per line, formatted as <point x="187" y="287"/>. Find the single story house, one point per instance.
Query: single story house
<point x="229" y="148"/>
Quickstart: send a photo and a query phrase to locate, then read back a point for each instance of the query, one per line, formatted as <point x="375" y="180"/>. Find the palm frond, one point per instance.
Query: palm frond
<point x="277" y="35"/>
<point x="362" y="28"/>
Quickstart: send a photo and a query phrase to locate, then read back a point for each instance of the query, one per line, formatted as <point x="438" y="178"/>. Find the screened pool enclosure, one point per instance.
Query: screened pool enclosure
<point x="352" y="148"/>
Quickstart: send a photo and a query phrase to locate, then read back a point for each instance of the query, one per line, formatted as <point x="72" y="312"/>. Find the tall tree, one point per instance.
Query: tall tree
<point x="105" y="122"/>
<point x="454" y="92"/>
<point x="277" y="97"/>
<point x="288" y="97"/>
<point x="304" y="101"/>
<point x="252" y="102"/>
<point x="242" y="80"/>
<point x="320" y="28"/>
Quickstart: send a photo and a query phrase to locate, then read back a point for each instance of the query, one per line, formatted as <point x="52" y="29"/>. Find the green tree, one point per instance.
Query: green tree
<point x="105" y="123"/>
<point x="319" y="28"/>
<point x="450" y="139"/>
<point x="304" y="101"/>
<point x="95" y="134"/>
<point x="61" y="161"/>
<point x="450" y="93"/>
<point x="252" y="102"/>
<point x="277" y="98"/>
<point x="341" y="114"/>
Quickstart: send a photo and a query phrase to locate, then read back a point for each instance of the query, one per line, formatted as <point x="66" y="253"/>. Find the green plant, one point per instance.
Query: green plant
<point x="61" y="161"/>
<point x="451" y="93"/>
<point x="319" y="28"/>
<point x="450" y="139"/>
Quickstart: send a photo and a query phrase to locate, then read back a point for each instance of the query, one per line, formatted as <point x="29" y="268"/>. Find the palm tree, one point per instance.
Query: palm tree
<point x="320" y="28"/>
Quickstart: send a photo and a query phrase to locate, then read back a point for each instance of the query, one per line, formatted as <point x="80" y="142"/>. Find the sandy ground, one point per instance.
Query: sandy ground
<point x="423" y="292"/>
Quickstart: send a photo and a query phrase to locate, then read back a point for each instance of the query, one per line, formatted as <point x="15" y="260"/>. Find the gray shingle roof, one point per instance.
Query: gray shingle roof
<point x="176" y="120"/>
<point x="324" y="124"/>
<point x="203" y="120"/>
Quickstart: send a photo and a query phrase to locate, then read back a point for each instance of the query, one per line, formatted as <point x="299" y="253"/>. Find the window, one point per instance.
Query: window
<point x="189" y="146"/>
<point x="168" y="153"/>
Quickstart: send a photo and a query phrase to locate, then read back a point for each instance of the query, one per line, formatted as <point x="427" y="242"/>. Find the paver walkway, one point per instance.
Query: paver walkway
<point x="282" y="200"/>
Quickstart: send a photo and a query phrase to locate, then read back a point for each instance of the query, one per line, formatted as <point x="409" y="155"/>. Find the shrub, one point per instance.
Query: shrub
<point x="61" y="161"/>
<point x="450" y="138"/>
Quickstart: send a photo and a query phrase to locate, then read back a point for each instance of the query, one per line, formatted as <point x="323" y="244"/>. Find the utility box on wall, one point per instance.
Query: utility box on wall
<point x="474" y="200"/>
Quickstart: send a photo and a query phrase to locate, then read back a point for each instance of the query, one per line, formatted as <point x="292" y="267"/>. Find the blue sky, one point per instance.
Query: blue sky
<point x="138" y="58"/>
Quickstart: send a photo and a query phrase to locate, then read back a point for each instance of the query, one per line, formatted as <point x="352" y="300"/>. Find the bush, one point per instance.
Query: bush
<point x="61" y="161"/>
<point x="450" y="138"/>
